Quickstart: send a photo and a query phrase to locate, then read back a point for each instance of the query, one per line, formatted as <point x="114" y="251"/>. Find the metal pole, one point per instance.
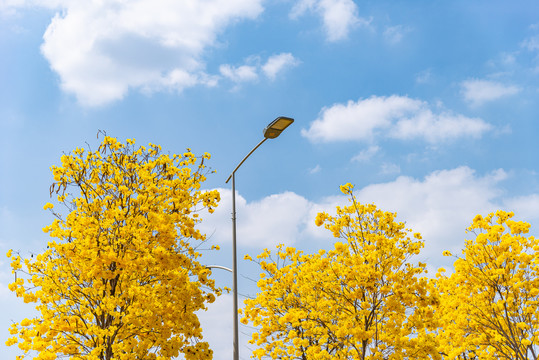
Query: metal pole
<point x="234" y="256"/>
<point x="270" y="132"/>
<point x="235" y="266"/>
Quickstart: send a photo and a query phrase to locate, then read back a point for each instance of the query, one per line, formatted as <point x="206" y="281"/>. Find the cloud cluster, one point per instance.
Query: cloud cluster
<point x="525" y="207"/>
<point x="367" y="154"/>
<point x="440" y="206"/>
<point x="278" y="63"/>
<point x="267" y="222"/>
<point x="339" y="17"/>
<point x="239" y="74"/>
<point x="274" y="65"/>
<point x="531" y="43"/>
<point x="215" y="322"/>
<point x="477" y="92"/>
<point x="394" y="34"/>
<point x="397" y="117"/>
<point x="101" y="49"/>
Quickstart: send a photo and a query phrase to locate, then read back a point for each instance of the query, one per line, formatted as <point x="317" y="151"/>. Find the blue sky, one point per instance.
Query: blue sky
<point x="429" y="107"/>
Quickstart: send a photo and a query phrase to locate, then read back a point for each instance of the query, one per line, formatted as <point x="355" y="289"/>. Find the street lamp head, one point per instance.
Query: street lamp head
<point x="276" y="127"/>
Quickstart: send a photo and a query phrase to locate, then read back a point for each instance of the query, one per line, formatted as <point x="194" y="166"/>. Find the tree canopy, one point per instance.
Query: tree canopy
<point x="363" y="299"/>
<point x="120" y="278"/>
<point x="489" y="306"/>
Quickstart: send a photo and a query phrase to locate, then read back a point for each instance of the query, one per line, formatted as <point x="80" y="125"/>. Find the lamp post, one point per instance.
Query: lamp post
<point x="271" y="131"/>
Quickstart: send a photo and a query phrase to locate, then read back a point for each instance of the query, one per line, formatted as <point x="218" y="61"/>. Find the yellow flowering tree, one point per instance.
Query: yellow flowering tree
<point x="120" y="278"/>
<point x="489" y="306"/>
<point x="363" y="299"/>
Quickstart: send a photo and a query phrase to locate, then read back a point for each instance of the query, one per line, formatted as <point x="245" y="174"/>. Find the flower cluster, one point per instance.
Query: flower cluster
<point x="489" y="305"/>
<point x="363" y="299"/>
<point x="120" y="279"/>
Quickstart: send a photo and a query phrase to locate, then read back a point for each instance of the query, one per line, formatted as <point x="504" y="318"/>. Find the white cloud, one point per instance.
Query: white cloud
<point x="423" y="77"/>
<point x="525" y="207"/>
<point x="252" y="69"/>
<point x="398" y="117"/>
<point x="338" y="16"/>
<point x="438" y="127"/>
<point x="359" y="120"/>
<point x="531" y="43"/>
<point x="394" y="34"/>
<point x="215" y="322"/>
<point x="440" y="206"/>
<point x="390" y="169"/>
<point x="278" y="63"/>
<point x="367" y="154"/>
<point x="478" y="92"/>
<point x="239" y="74"/>
<point x="315" y="170"/>
<point x="101" y="49"/>
<point x="507" y="59"/>
<point x="302" y="6"/>
<point x="217" y="329"/>
<point x="287" y="212"/>
<point x="270" y="221"/>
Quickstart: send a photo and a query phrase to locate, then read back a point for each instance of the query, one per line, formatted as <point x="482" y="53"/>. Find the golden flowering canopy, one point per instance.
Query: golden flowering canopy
<point x="120" y="279"/>
<point x="489" y="307"/>
<point x="361" y="300"/>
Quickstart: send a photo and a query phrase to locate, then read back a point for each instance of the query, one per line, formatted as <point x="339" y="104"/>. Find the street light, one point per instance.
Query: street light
<point x="274" y="129"/>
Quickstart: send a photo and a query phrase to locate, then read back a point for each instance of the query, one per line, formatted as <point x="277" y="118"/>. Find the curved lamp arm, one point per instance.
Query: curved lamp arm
<point x="219" y="267"/>
<point x="274" y="129"/>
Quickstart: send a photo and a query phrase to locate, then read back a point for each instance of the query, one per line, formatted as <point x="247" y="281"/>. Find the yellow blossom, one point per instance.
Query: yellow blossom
<point x="121" y="279"/>
<point x="488" y="305"/>
<point x="355" y="301"/>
